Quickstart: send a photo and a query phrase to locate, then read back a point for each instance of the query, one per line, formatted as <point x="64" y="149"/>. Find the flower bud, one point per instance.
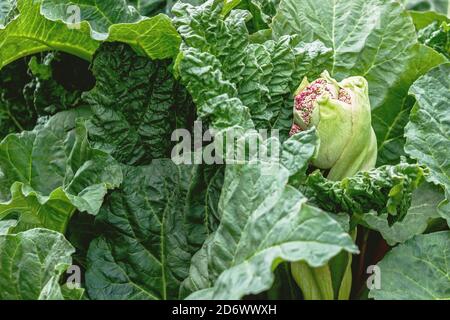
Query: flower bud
<point x="341" y="113"/>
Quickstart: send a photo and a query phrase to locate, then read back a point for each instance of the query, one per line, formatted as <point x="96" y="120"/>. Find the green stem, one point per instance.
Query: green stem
<point x="328" y="282"/>
<point x="315" y="283"/>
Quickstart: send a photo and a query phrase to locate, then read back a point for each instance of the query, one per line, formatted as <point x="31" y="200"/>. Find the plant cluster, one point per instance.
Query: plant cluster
<point x="353" y="205"/>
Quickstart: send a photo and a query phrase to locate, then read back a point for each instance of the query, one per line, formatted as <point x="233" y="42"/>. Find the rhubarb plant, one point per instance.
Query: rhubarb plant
<point x="339" y="110"/>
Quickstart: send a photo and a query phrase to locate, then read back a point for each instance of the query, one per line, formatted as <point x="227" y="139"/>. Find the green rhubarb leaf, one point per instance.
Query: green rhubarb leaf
<point x="74" y="293"/>
<point x="32" y="264"/>
<point x="264" y="221"/>
<point x="250" y="80"/>
<point x="214" y="97"/>
<point x="428" y="132"/>
<point x="379" y="199"/>
<point x="51" y="171"/>
<point x="137" y="104"/>
<point x="153" y="224"/>
<point x="40" y="26"/>
<point x="416" y="270"/>
<point x="30" y="32"/>
<point x="155" y="37"/>
<point x="117" y="21"/>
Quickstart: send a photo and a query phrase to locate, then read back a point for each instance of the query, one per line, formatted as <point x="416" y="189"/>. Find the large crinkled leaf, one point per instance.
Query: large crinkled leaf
<point x="156" y="37"/>
<point x="120" y="20"/>
<point x="379" y="199"/>
<point x="49" y="138"/>
<point x="262" y="12"/>
<point x="32" y="263"/>
<point x="214" y="97"/>
<point x="202" y="212"/>
<point x="30" y="33"/>
<point x="264" y="221"/>
<point x="416" y="270"/>
<point x="217" y="59"/>
<point x="48" y="173"/>
<point x="201" y="59"/>
<point x="428" y="132"/>
<point x="137" y="104"/>
<point x="117" y="21"/>
<point x="153" y="225"/>
<point x="375" y="39"/>
<point x="302" y="234"/>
